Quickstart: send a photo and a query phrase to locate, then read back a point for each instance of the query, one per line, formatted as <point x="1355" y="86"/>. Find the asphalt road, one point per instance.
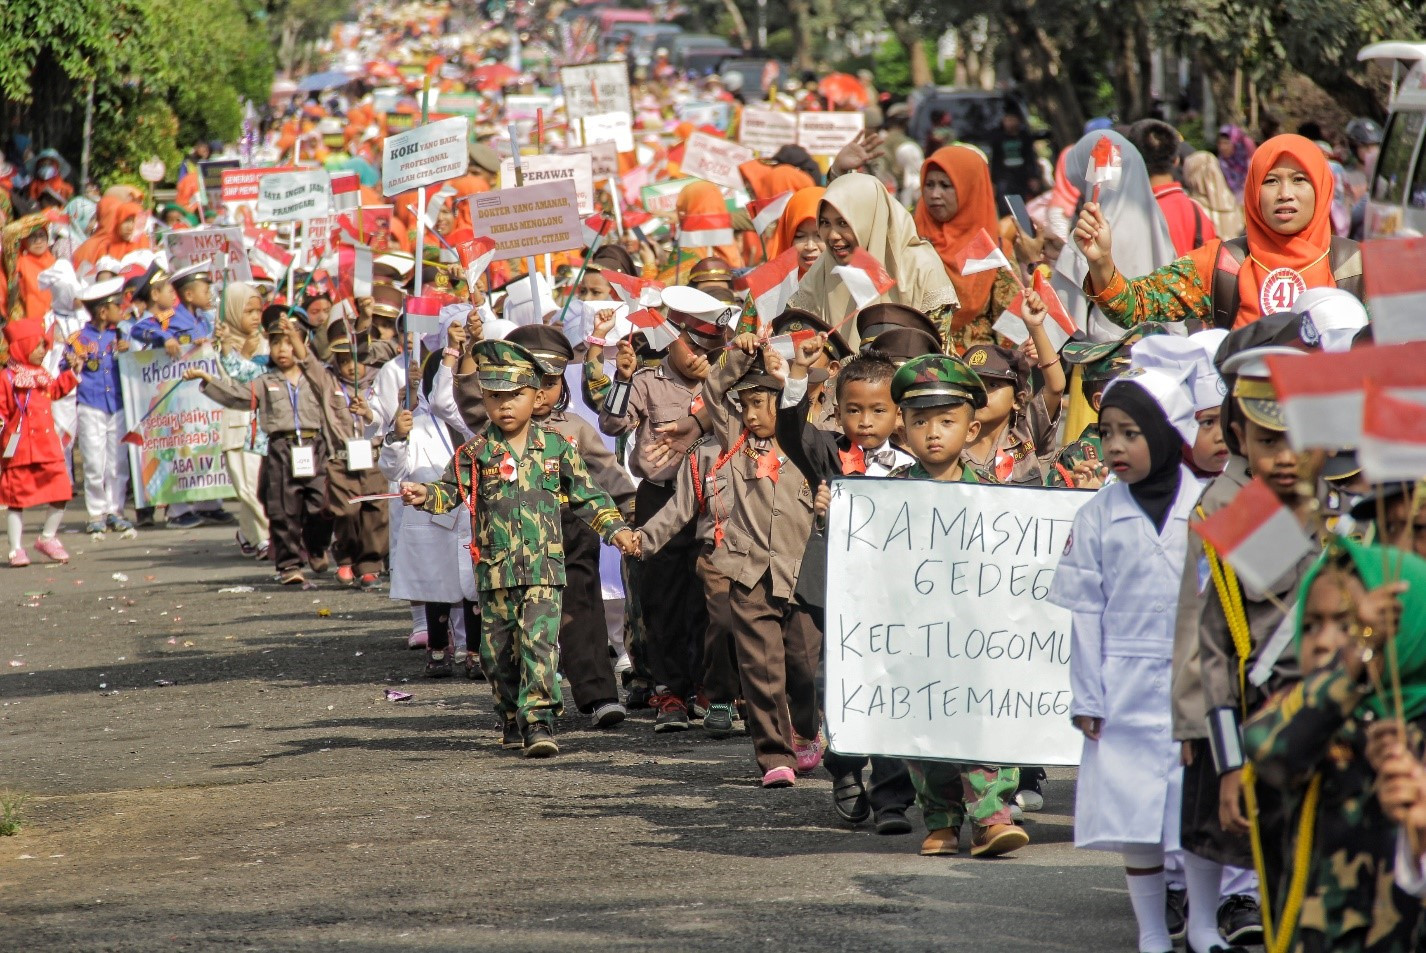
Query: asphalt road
<point x="271" y="798"/>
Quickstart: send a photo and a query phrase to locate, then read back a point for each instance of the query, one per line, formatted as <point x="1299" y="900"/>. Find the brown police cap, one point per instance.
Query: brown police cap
<point x="387" y="300"/>
<point x="877" y="318"/>
<point x="710" y="269"/>
<point x="547" y="343"/>
<point x="997" y="363"/>
<point x="902" y="344"/>
<point x="794" y="319"/>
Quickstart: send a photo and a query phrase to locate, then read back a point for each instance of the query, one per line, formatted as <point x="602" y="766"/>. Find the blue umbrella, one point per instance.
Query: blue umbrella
<point x="320" y="81"/>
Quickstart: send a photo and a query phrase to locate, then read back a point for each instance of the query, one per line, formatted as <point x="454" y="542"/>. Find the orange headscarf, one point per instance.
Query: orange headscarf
<point x="704" y="198"/>
<point x="975" y="197"/>
<point x="766" y="179"/>
<point x="118" y="203"/>
<point x="1307" y="251"/>
<point x="801" y="207"/>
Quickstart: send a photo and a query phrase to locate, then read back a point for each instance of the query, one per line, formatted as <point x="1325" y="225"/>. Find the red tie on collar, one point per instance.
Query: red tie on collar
<point x="853" y="460"/>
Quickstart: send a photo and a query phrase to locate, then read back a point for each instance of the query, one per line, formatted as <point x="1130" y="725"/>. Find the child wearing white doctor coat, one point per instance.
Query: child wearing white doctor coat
<point x="1119" y="577"/>
<point x="430" y="562"/>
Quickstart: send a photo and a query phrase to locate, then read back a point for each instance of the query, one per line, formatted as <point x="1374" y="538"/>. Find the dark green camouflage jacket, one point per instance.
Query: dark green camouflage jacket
<point x="518" y="540"/>
<point x="1351" y="904"/>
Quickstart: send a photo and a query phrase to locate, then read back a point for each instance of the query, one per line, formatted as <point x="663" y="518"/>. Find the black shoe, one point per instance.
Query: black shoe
<point x="1176" y="912"/>
<point x="697" y="706"/>
<point x="638" y="697"/>
<point x="719" y="720"/>
<point x="217" y="517"/>
<point x="892" y="820"/>
<point x="143" y="517"/>
<point x="512" y="737"/>
<point x="673" y="714"/>
<point x="849" y="799"/>
<point x="1240" y="921"/>
<point x="184" y="521"/>
<point x="540" y="742"/>
<point x="438" y="663"/>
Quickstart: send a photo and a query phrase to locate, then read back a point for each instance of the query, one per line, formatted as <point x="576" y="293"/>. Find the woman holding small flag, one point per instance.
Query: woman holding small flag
<point x="957" y="202"/>
<point x="858" y="214"/>
<point x="1288" y="249"/>
<point x="797" y="228"/>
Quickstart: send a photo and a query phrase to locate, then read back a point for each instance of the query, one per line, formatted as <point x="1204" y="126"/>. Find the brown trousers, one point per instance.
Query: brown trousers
<point x="359" y="528"/>
<point x="298" y="523"/>
<point x="720" y="657"/>
<point x="778" y="651"/>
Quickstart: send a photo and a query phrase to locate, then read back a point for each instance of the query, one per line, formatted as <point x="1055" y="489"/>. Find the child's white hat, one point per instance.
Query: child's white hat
<point x="1191" y="357"/>
<point x="1169" y="389"/>
<point x="1336" y="315"/>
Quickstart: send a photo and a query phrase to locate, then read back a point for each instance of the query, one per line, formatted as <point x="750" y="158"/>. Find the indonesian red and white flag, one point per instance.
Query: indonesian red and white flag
<point x="346" y="191"/>
<point x="1394" y="275"/>
<point x="595" y="226"/>
<point x="1322" y="393"/>
<point x="706" y="231"/>
<point x="655" y="328"/>
<point x="981" y="253"/>
<point x="268" y="254"/>
<point x="475" y="257"/>
<point x="1059" y="324"/>
<point x="354" y="271"/>
<point x="437" y="200"/>
<point x="787" y="345"/>
<point x="1393" y="446"/>
<point x="423" y="314"/>
<point x="636" y="292"/>
<point x="1106" y="166"/>
<point x="1256" y="535"/>
<point x="770" y="285"/>
<point x="865" y="278"/>
<point x="766" y="212"/>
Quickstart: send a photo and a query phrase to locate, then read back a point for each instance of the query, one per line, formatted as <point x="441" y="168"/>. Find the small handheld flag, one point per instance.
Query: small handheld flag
<point x="771" y="285"/>
<point x="981" y="253"/>
<point x="1256" y="535"/>
<point x="1106" y="166"/>
<point x="864" y="277"/>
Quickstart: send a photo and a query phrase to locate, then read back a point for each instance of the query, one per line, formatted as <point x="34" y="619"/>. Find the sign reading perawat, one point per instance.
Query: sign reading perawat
<point x="939" y="641"/>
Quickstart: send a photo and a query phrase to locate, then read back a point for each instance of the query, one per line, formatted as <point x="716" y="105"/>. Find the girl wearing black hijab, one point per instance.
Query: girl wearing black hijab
<point x="1119" y="577"/>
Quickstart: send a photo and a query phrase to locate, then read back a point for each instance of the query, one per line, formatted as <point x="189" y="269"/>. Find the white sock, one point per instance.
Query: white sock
<point x="1147" y="892"/>
<point x="1204" y="879"/>
<point x="418" y="617"/>
<point x="15" y="528"/>
<point x="52" y="521"/>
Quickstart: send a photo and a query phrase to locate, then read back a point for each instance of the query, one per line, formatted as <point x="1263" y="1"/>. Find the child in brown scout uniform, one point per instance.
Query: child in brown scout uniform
<point x="583" y="638"/>
<point x="359" y="529"/>
<point x="778" y="648"/>
<point x="513" y="477"/>
<point x="293" y="481"/>
<point x="641" y="401"/>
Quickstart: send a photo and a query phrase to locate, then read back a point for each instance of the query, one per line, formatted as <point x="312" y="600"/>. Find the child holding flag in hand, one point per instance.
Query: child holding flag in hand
<point x="1124" y="557"/>
<point x="511" y="477"/>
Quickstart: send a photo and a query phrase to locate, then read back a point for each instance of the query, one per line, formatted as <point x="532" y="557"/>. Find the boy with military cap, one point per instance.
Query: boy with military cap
<point x="645" y="401"/>
<point x="92" y="352"/>
<point x="938" y="396"/>
<point x="360" y="540"/>
<point x="1017" y="427"/>
<point x="192" y="317"/>
<point x="583" y="635"/>
<point x="512" y="476"/>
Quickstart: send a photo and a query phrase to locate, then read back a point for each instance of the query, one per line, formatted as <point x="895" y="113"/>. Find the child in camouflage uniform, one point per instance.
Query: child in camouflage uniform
<point x="1314" y="742"/>
<point x="512" y="477"/>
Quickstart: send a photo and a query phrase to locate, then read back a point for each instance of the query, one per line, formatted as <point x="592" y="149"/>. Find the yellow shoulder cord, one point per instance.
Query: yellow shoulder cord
<point x="1230" y="594"/>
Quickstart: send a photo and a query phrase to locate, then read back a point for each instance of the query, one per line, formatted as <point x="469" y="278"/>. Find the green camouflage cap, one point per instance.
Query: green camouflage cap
<point x="1108" y="359"/>
<point x="503" y="366"/>
<point x="935" y="380"/>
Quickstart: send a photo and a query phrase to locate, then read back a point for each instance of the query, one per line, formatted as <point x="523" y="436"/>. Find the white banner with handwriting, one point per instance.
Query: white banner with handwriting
<point x="939" y="641"/>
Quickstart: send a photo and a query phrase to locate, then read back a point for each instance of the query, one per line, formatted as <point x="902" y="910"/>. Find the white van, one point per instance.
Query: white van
<point x="1397" y="204"/>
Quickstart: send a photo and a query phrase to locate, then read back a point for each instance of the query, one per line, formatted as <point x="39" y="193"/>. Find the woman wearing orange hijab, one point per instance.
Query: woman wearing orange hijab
<point x="767" y="180"/>
<point x="797" y="228"/>
<point x="115" y="223"/>
<point x="1288" y="248"/>
<point x="957" y="202"/>
<point x="701" y="208"/>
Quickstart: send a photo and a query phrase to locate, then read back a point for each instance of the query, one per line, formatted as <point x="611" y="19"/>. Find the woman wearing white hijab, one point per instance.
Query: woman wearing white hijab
<point x="1138" y="226"/>
<point x="858" y="212"/>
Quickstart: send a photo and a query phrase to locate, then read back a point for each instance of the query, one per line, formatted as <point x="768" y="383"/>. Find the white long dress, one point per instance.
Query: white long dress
<point x="1120" y="580"/>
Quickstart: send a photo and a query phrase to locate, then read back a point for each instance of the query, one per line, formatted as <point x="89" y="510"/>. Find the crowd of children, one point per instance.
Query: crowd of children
<point x="633" y="512"/>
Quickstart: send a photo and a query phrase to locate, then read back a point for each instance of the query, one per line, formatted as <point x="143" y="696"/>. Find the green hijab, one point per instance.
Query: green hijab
<point x="1374" y="565"/>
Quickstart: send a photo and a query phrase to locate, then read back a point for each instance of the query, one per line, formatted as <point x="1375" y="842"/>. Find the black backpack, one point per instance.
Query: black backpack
<point x="1345" y="258"/>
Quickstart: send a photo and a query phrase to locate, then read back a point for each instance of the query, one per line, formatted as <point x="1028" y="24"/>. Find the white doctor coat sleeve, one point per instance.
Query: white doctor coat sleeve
<point x="1079" y="587"/>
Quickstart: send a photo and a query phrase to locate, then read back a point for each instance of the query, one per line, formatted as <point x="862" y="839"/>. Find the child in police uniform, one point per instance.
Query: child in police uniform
<point x="1119" y="577"/>
<point x="511" y="477"/>
<point x="93" y="350"/>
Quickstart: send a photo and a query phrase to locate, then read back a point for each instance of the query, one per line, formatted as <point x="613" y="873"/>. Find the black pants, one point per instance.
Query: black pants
<point x="296" y="509"/>
<point x="675" y="613"/>
<point x="438" y="625"/>
<point x="584" y="635"/>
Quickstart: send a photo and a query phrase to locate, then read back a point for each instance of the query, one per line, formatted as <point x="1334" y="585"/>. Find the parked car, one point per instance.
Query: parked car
<point x="972" y="114"/>
<point x="1397" y="201"/>
<point x="648" y="38"/>
<point x="685" y="43"/>
<point x="753" y="69"/>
